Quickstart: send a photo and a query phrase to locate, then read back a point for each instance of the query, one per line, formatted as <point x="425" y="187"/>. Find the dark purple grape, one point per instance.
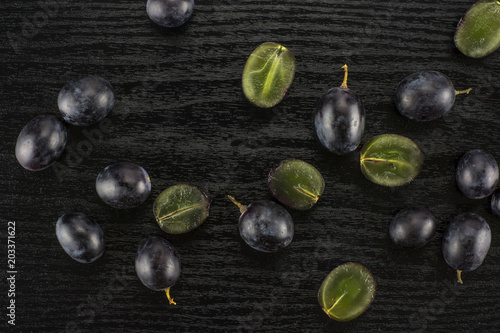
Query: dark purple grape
<point x="265" y="225"/>
<point x="41" y="142"/>
<point x="466" y="242"/>
<point x="477" y="174"/>
<point x="412" y="227"/>
<point x="86" y="100"/>
<point x="340" y="119"/>
<point x="81" y="237"/>
<point x="170" y="13"/>
<point x="123" y="185"/>
<point x="425" y="96"/>
<point x="495" y="202"/>
<point x="157" y="265"/>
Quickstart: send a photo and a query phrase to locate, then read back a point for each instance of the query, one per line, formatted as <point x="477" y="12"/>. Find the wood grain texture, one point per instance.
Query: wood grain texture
<point x="180" y="113"/>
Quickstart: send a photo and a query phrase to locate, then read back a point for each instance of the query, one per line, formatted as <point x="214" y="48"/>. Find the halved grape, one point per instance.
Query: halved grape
<point x="391" y="160"/>
<point x="157" y="265"/>
<point x="477" y="174"/>
<point x="81" y="237"/>
<point x="296" y="184"/>
<point x="478" y="32"/>
<point x="268" y="74"/>
<point x="181" y="208"/>
<point x="41" y="142"/>
<point x="347" y="291"/>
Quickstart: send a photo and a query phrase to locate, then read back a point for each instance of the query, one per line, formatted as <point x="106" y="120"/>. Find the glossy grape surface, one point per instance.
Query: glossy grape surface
<point x="390" y="160"/>
<point x="157" y="264"/>
<point x="268" y="74"/>
<point x="81" y="237"/>
<point x="123" y="185"/>
<point x="170" y="13"/>
<point x="86" y="100"/>
<point x="412" y="227"/>
<point x="296" y="184"/>
<point x="425" y="96"/>
<point x="181" y="208"/>
<point x="466" y="242"/>
<point x="347" y="291"/>
<point x="495" y="202"/>
<point x="41" y="142"/>
<point x="478" y="32"/>
<point x="477" y="174"/>
<point x="266" y="226"/>
<point x="340" y="120"/>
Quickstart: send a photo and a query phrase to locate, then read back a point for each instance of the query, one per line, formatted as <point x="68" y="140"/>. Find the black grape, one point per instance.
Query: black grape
<point x="170" y="13"/>
<point x="41" y="142"/>
<point x="495" y="202"/>
<point x="86" y="100"/>
<point x="340" y="119"/>
<point x="412" y="227"/>
<point x="425" y="96"/>
<point x="123" y="185"/>
<point x="157" y="265"/>
<point x="466" y="242"/>
<point x="477" y="174"/>
<point x="81" y="237"/>
<point x="265" y="225"/>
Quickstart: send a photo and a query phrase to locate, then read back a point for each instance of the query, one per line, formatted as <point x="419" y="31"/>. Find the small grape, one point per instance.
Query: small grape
<point x="170" y="13"/>
<point x="412" y="227"/>
<point x="86" y="100"/>
<point x="495" y="202"/>
<point x="157" y="265"/>
<point x="466" y="242"/>
<point x="123" y="185"/>
<point x="425" y="96"/>
<point x="41" y="142"/>
<point x="81" y="237"/>
<point x="477" y="174"/>
<point x="265" y="225"/>
<point x="340" y="119"/>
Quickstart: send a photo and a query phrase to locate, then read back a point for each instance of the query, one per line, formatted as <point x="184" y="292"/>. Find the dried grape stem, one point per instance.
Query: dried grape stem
<point x="344" y="83"/>
<point x="170" y="299"/>
<point x="459" y="275"/>
<point x="466" y="91"/>
<point x="240" y="206"/>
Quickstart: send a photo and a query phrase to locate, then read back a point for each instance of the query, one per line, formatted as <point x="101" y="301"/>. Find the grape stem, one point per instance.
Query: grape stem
<point x="459" y="275"/>
<point x="344" y="83"/>
<point x="466" y="91"/>
<point x="170" y="299"/>
<point x="240" y="206"/>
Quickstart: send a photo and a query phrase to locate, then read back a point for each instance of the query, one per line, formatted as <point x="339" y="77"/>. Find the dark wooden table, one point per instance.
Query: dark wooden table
<point x="180" y="113"/>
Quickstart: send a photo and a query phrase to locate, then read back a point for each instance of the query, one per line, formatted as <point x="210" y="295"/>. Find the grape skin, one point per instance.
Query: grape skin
<point x="86" y="100"/>
<point x="123" y="185"/>
<point x="266" y="226"/>
<point x="412" y="227"/>
<point x="41" y="142"/>
<point x="157" y="264"/>
<point x="340" y="120"/>
<point x="425" y="96"/>
<point x="466" y="242"/>
<point x="170" y="13"/>
<point x="81" y="237"/>
<point x="477" y="174"/>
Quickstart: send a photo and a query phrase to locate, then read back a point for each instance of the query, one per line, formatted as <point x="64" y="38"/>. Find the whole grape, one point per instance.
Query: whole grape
<point x="265" y="225"/>
<point x="340" y="119"/>
<point x="466" y="242"/>
<point x="41" y="142"/>
<point x="170" y="13"/>
<point x="412" y="227"/>
<point x="81" y="237"/>
<point x="495" y="202"/>
<point x="86" y="100"/>
<point x="157" y="265"/>
<point x="425" y="96"/>
<point x="123" y="185"/>
<point x="477" y="174"/>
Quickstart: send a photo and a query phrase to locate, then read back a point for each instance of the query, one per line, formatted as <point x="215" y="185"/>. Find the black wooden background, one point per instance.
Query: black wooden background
<point x="181" y="114"/>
